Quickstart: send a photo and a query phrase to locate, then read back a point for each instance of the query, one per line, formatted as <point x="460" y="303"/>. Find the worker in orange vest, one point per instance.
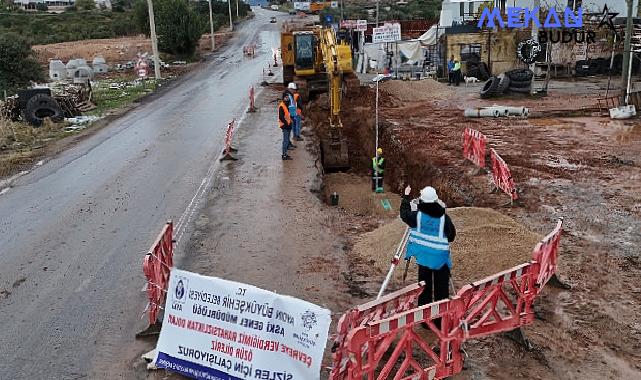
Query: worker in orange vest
<point x="285" y="123"/>
<point x="295" y="109"/>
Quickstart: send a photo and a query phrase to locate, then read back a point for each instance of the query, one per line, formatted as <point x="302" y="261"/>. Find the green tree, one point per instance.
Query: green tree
<point x="17" y="64"/>
<point x="85" y="5"/>
<point x="179" y="27"/>
<point x="141" y="16"/>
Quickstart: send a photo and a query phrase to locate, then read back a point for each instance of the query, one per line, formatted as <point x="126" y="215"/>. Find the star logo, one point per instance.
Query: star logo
<point x="606" y="19"/>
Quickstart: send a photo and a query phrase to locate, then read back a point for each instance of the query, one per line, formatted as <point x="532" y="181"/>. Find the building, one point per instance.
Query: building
<point x="56" y="5"/>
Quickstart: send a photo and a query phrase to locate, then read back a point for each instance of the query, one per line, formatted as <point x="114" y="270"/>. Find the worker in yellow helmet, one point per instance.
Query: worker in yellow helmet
<point x="378" y="167"/>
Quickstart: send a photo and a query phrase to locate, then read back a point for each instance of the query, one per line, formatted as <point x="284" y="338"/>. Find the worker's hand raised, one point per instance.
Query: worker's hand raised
<point x="408" y="190"/>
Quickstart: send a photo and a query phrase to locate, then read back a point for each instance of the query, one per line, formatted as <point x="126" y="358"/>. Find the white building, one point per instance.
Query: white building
<point x="57" y="5"/>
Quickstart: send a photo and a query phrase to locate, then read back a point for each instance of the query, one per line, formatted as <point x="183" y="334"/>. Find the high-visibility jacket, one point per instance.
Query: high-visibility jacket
<point x="299" y="110"/>
<point x="428" y="243"/>
<point x="282" y="107"/>
<point x="378" y="165"/>
<point x="457" y="66"/>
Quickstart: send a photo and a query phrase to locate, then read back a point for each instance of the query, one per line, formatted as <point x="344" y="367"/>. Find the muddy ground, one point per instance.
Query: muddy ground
<point x="584" y="169"/>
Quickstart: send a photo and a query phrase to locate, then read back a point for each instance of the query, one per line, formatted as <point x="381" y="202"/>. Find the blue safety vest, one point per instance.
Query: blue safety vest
<point x="428" y="243"/>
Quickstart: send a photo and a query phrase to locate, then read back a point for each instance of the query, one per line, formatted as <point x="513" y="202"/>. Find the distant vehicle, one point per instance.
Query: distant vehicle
<point x="274" y="7"/>
<point x="272" y="19"/>
<point x="292" y="11"/>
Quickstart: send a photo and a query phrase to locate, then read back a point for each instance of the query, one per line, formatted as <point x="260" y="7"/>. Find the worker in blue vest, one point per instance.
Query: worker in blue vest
<point x="431" y="231"/>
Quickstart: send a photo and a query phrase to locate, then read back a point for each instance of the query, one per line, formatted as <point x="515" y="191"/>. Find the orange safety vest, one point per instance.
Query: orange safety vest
<point x="281" y="105"/>
<point x="298" y="110"/>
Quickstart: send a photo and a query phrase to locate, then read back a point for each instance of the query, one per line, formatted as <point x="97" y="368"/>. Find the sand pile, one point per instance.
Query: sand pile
<point x="426" y="89"/>
<point x="487" y="242"/>
<point x="356" y="196"/>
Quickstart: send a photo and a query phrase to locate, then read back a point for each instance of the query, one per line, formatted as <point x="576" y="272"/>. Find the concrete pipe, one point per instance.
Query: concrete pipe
<point x="471" y="112"/>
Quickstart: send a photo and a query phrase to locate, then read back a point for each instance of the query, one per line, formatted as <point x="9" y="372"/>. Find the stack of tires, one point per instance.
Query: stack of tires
<point x="478" y="70"/>
<point x="37" y="105"/>
<point x="513" y="81"/>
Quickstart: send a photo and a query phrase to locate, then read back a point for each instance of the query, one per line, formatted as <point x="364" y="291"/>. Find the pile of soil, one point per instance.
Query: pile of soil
<point x="427" y="89"/>
<point x="487" y="242"/>
<point x="356" y="197"/>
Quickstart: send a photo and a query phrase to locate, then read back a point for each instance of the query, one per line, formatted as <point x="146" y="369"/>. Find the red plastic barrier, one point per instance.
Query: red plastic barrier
<point x="390" y="304"/>
<point x="502" y="175"/>
<point x="229" y="135"/>
<point x="369" y="346"/>
<point x="157" y="265"/>
<point x="251" y="99"/>
<point x="545" y="255"/>
<point x="474" y="143"/>
<point x="498" y="303"/>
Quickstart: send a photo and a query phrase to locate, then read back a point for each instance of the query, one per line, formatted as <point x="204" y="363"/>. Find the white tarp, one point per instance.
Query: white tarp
<point x="429" y="37"/>
<point x="219" y="329"/>
<point x="412" y="50"/>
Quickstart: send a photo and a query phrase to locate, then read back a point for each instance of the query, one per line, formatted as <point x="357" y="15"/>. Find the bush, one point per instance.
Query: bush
<point x="18" y="67"/>
<point x="179" y="27"/>
<point x="42" y="7"/>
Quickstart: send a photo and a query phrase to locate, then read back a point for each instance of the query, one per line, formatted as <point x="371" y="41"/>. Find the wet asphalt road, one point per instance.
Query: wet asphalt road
<point x="73" y="231"/>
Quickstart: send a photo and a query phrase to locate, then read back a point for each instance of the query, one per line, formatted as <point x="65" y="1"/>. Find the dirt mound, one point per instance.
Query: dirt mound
<point x="487" y="242"/>
<point x="426" y="89"/>
<point x="356" y="196"/>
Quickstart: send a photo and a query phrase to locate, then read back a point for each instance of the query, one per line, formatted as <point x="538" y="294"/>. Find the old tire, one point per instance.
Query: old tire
<point x="41" y="106"/>
<point x="490" y="88"/>
<point x="484" y="70"/>
<point x="504" y="83"/>
<point x="520" y="75"/>
<point x="520" y="84"/>
<point x="520" y="90"/>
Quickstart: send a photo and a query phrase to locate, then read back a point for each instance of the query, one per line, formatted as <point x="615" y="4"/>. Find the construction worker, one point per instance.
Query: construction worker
<point x="285" y="124"/>
<point x="295" y="109"/>
<point x="457" y="72"/>
<point x="378" y="167"/>
<point x="431" y="231"/>
<point x="450" y="71"/>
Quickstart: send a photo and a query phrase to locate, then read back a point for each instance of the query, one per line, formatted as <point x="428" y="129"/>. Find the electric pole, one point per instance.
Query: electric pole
<point x="231" y="23"/>
<point x="211" y="28"/>
<point x="237" y="16"/>
<point x="154" y="39"/>
<point x="627" y="46"/>
<point x="535" y="37"/>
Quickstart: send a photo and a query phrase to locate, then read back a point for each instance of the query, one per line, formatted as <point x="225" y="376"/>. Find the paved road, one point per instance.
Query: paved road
<point x="73" y="231"/>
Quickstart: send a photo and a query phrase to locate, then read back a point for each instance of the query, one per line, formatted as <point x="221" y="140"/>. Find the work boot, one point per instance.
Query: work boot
<point x="298" y="138"/>
<point x="286" y="157"/>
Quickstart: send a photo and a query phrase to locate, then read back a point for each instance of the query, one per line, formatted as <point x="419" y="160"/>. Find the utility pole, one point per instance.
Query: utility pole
<point x="535" y="35"/>
<point x="211" y="28"/>
<point x="231" y="23"/>
<point x="237" y="16"/>
<point x="154" y="39"/>
<point x="627" y="48"/>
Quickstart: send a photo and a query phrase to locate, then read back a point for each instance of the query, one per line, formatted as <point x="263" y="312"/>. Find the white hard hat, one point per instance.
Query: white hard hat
<point x="292" y="86"/>
<point x="428" y="195"/>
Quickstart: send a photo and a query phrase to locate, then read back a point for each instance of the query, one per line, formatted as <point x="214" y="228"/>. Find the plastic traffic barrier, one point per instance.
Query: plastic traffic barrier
<point x="229" y="135"/>
<point x="474" y="143"/>
<point x="388" y="305"/>
<point x="251" y="100"/>
<point x="376" y="345"/>
<point x="157" y="265"/>
<point x="502" y="175"/>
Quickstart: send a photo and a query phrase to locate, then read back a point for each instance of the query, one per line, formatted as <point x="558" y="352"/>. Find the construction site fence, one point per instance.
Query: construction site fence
<point x="474" y="143"/>
<point x="156" y="266"/>
<point x="502" y="175"/>
<point x="380" y="340"/>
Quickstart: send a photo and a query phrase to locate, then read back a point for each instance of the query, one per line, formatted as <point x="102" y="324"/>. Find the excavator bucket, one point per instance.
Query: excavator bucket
<point x="334" y="153"/>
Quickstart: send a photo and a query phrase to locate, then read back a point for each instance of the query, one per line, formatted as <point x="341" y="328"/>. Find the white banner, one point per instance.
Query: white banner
<point x="223" y="330"/>
<point x="387" y="33"/>
<point x="361" y="25"/>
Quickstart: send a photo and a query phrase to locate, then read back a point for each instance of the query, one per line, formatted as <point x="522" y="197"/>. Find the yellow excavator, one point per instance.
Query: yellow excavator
<point x="318" y="61"/>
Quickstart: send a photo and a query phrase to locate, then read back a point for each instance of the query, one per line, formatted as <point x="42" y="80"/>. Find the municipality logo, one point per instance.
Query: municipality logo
<point x="309" y="319"/>
<point x="179" y="292"/>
